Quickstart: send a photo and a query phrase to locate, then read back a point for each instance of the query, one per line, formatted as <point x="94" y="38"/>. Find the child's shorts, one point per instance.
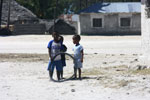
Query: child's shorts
<point x="58" y="65"/>
<point x="77" y="63"/>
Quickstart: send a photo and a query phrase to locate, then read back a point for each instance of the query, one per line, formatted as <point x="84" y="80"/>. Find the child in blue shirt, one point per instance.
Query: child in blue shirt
<point x="63" y="59"/>
<point x="78" y="55"/>
<point x="54" y="47"/>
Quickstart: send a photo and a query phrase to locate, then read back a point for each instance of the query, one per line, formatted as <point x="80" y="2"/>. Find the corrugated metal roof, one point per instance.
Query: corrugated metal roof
<point x="115" y="7"/>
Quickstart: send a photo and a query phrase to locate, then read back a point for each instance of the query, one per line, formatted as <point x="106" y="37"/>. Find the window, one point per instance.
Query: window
<point x="97" y="22"/>
<point x="125" y="22"/>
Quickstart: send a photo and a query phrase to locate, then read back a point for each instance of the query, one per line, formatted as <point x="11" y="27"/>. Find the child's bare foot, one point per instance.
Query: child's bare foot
<point x="74" y="78"/>
<point x="62" y="78"/>
<point x="80" y="78"/>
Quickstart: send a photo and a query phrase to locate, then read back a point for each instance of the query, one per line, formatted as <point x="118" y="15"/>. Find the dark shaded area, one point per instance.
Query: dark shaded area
<point x="112" y="34"/>
<point x="20" y="29"/>
<point x="63" y="28"/>
<point x="5" y="32"/>
<point x="147" y="2"/>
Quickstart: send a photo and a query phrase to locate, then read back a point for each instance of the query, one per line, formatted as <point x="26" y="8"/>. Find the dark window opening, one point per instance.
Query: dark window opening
<point x="125" y="22"/>
<point x="97" y="22"/>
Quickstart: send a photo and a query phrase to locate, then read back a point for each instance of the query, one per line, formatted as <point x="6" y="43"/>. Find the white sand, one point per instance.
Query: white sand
<point x="23" y="74"/>
<point x="92" y="44"/>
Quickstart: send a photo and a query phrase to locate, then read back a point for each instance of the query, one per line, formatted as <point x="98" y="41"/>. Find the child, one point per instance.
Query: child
<point x="54" y="47"/>
<point x="78" y="55"/>
<point x="63" y="59"/>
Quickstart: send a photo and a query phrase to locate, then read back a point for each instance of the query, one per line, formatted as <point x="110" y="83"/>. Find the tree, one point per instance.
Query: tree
<point x="45" y="8"/>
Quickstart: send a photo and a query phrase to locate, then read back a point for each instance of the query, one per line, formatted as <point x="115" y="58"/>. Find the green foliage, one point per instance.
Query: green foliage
<point x="48" y="9"/>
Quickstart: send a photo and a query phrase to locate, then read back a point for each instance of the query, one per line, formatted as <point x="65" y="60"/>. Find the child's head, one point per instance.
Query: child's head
<point x="55" y="35"/>
<point x="61" y="38"/>
<point x="76" y="39"/>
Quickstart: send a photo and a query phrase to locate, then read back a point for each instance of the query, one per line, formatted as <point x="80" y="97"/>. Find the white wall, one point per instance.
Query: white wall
<point x="145" y="24"/>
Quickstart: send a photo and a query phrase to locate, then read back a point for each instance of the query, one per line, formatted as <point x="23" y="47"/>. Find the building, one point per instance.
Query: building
<point x="115" y="18"/>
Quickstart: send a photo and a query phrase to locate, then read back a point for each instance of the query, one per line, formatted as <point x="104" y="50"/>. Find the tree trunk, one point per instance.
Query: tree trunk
<point x="1" y="6"/>
<point x="8" y="19"/>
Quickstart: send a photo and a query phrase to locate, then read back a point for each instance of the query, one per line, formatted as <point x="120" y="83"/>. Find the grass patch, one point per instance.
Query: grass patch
<point x="113" y="70"/>
<point x="142" y="72"/>
<point x="123" y="83"/>
<point x="117" y="84"/>
<point x="92" y="72"/>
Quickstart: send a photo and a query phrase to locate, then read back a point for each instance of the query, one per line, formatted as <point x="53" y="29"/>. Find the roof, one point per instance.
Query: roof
<point x="113" y="7"/>
<point x="18" y="12"/>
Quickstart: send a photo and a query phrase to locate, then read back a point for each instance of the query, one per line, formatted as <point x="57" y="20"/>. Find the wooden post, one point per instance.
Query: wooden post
<point x="55" y="13"/>
<point x="8" y="18"/>
<point x="80" y="5"/>
<point x="1" y="6"/>
<point x="86" y="2"/>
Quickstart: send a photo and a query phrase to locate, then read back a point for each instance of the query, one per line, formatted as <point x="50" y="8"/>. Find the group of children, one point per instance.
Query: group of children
<point x="56" y="46"/>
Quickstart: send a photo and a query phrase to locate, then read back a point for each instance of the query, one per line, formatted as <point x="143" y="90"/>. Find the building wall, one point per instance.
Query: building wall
<point x="85" y="24"/>
<point x="111" y="24"/>
<point x="20" y="29"/>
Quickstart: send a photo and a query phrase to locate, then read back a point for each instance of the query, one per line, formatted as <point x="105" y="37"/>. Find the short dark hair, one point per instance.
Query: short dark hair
<point x="55" y="32"/>
<point x="77" y="37"/>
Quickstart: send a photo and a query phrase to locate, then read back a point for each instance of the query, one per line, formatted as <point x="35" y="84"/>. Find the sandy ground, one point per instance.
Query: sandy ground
<point x="107" y="72"/>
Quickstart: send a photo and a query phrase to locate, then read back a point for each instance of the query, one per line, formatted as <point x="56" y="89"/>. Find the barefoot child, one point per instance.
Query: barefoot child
<point x="63" y="59"/>
<point x="78" y="55"/>
<point x="54" y="47"/>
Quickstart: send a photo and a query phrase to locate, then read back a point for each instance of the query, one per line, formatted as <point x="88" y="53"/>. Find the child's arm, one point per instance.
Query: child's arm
<point x="64" y="48"/>
<point x="82" y="54"/>
<point x="49" y="53"/>
<point x="49" y="49"/>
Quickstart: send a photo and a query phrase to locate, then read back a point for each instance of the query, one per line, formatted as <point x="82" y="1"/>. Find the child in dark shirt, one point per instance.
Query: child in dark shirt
<point x="63" y="59"/>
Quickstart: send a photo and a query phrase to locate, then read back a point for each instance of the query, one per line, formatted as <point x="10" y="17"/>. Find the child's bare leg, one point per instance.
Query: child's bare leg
<point x="61" y="74"/>
<point x="75" y="72"/>
<point x="51" y="73"/>
<point x="79" y="69"/>
<point x="58" y="75"/>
